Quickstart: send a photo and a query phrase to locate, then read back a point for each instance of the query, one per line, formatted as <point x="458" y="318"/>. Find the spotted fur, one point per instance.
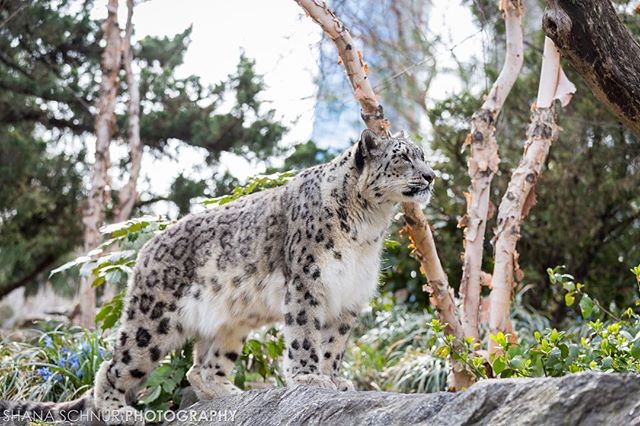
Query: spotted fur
<point x="306" y="254"/>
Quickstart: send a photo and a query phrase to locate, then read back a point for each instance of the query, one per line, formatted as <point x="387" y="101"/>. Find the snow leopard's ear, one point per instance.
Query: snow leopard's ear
<point x="368" y="143"/>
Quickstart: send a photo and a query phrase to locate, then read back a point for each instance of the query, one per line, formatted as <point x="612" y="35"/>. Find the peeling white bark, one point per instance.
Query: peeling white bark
<point x="483" y="164"/>
<point x="554" y="84"/>
<point x="94" y="213"/>
<point x="520" y="195"/>
<point x="129" y="194"/>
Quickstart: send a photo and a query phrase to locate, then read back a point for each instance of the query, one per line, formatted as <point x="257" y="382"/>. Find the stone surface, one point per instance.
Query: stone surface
<point x="578" y="399"/>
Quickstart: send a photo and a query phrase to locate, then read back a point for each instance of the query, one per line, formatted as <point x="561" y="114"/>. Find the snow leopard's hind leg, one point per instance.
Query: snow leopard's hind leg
<point x="213" y="361"/>
<point x="150" y="330"/>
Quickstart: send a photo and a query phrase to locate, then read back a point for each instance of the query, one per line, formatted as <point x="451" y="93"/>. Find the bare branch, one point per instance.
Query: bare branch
<point x="129" y="194"/>
<point x="483" y="164"/>
<point x="520" y="195"/>
<point x="353" y="62"/>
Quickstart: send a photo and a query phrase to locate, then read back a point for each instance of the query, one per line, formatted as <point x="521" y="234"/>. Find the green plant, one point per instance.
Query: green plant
<point x="392" y="349"/>
<point x="52" y="364"/>
<point x="254" y="184"/>
<point x="603" y="340"/>
<point x="260" y="359"/>
<point x="163" y="390"/>
<point x="109" y="266"/>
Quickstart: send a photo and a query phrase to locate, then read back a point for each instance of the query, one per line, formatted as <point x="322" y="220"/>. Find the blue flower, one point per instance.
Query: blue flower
<point x="48" y="341"/>
<point x="75" y="363"/>
<point x="44" y="372"/>
<point x="47" y="374"/>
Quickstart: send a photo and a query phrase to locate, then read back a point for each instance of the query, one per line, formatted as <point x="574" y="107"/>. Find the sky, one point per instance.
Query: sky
<point x="283" y="43"/>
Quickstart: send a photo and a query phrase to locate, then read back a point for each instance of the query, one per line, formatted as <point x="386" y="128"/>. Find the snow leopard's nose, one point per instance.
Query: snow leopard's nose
<point x="429" y="176"/>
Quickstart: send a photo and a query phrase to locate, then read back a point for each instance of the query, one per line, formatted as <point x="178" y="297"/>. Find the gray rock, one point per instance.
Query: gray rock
<point x="577" y="399"/>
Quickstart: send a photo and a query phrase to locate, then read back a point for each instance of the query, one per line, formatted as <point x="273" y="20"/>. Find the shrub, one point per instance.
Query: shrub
<point x="603" y="340"/>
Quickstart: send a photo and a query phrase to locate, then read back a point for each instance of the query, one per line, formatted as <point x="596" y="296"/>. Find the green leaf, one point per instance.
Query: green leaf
<point x="635" y="349"/>
<point x="110" y="312"/>
<point x="155" y="393"/>
<point x="517" y="363"/>
<point x="498" y="365"/>
<point x="586" y="306"/>
<point x="390" y="244"/>
<point x="71" y="264"/>
<point x="569" y="299"/>
<point x="442" y="352"/>
<point x="500" y="339"/>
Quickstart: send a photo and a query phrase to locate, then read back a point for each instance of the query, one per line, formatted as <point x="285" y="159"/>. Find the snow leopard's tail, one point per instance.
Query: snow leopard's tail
<point x="80" y="410"/>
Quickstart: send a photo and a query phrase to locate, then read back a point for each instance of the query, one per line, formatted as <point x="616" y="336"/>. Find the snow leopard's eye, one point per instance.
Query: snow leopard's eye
<point x="406" y="158"/>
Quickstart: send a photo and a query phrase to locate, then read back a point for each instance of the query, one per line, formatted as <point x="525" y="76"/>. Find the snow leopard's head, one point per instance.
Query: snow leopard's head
<point x="393" y="169"/>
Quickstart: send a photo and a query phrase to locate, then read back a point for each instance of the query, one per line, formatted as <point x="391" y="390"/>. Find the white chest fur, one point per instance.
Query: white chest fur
<point x="351" y="281"/>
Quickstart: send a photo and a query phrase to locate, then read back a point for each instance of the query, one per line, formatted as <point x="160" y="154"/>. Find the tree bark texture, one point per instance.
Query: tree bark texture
<point x="515" y="205"/>
<point x="441" y="294"/>
<point x="520" y="195"/>
<point x="129" y="194"/>
<point x="483" y="164"/>
<point x="94" y="213"/>
<point x="593" y="39"/>
<point x="373" y="116"/>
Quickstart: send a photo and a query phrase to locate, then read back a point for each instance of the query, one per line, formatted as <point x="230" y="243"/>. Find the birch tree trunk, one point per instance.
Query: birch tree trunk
<point x="94" y="213"/>
<point x="129" y="194"/>
<point x="520" y="195"/>
<point x="483" y="164"/>
<point x="373" y="115"/>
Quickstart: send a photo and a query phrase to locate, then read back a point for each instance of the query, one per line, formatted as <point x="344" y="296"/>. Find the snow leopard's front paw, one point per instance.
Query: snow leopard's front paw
<point x="315" y="380"/>
<point x="343" y="384"/>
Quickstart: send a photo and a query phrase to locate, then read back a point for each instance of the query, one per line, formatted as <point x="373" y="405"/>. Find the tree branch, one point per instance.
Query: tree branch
<point x="593" y="39"/>
<point x="39" y="269"/>
<point x="94" y="214"/>
<point x="483" y="164"/>
<point x="520" y="195"/>
<point x="129" y="194"/>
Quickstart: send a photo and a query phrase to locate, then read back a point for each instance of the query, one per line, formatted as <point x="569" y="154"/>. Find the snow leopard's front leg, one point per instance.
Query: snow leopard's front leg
<point x="335" y="336"/>
<point x="304" y="308"/>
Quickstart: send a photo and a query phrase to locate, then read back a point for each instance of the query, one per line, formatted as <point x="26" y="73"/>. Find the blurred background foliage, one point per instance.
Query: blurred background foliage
<point x="49" y="60"/>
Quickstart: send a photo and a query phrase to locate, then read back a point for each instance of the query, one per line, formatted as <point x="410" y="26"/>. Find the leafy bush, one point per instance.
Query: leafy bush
<point x="260" y="359"/>
<point x="163" y="389"/>
<point x="603" y="340"/>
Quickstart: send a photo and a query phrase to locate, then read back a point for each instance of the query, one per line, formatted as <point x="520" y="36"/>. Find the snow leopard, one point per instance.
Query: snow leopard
<point x="306" y="254"/>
